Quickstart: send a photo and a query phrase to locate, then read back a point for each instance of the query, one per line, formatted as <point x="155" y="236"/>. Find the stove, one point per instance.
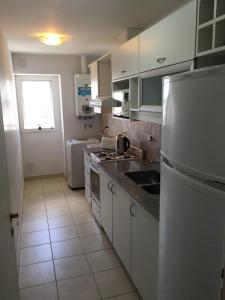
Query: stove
<point x="98" y="158"/>
<point x="104" y="156"/>
<point x="109" y="155"/>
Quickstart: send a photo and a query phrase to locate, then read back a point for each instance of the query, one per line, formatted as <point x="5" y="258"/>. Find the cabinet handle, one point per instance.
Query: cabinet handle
<point x="161" y="60"/>
<point x="123" y="71"/>
<point x="112" y="188"/>
<point x="131" y="209"/>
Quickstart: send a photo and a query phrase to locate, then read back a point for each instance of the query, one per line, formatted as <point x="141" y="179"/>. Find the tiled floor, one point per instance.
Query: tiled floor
<point x="64" y="253"/>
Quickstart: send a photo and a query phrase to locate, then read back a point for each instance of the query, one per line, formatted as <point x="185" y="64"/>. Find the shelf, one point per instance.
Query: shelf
<point x="205" y="37"/>
<point x="220" y="8"/>
<point x="220" y="34"/>
<point x="206" y="11"/>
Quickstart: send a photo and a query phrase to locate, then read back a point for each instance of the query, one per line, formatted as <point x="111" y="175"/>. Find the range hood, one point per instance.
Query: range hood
<point x="104" y="102"/>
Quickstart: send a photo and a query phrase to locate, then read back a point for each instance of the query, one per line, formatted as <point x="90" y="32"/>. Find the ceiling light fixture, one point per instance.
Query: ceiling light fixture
<point x="52" y="39"/>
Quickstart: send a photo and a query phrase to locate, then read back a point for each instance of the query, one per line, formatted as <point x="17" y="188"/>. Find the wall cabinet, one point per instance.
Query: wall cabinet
<point x="169" y="41"/>
<point x="210" y="27"/>
<point x="101" y="78"/>
<point x="106" y="204"/>
<point x="122" y="225"/>
<point x="125" y="59"/>
<point x="145" y="235"/>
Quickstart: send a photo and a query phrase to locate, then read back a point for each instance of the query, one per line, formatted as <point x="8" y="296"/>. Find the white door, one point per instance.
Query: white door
<point x="122" y="225"/>
<point x="8" y="265"/>
<point x="145" y="249"/>
<point x="192" y="231"/>
<point x="40" y="124"/>
<point x="106" y="204"/>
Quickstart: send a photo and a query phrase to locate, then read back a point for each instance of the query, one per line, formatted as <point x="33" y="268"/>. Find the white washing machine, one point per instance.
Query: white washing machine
<point x="75" y="162"/>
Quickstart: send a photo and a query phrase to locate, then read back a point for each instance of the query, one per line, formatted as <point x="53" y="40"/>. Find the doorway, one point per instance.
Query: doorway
<point x="41" y="125"/>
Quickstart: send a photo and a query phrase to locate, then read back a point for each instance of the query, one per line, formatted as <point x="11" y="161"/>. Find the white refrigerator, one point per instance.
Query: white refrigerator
<point x="192" y="197"/>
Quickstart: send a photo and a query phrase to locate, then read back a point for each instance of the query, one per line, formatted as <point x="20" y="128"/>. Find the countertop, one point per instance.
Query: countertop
<point x="117" y="169"/>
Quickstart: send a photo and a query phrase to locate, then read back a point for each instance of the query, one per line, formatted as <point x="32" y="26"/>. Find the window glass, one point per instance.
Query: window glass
<point x="38" y="110"/>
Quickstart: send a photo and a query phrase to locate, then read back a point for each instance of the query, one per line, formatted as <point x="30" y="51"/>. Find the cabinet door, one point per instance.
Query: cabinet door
<point x="145" y="234"/>
<point x="87" y="177"/>
<point x="106" y="204"/>
<point x="125" y="59"/>
<point x="170" y="41"/>
<point x="122" y="225"/>
<point x="94" y="80"/>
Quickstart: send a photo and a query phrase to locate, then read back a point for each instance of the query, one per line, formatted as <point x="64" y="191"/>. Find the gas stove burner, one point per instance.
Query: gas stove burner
<point x="105" y="155"/>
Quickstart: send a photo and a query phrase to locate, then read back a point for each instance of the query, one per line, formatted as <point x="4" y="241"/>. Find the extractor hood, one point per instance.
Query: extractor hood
<point x="104" y="102"/>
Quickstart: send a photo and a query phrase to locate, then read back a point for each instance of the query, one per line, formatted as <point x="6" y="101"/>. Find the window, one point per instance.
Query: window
<point x="35" y="98"/>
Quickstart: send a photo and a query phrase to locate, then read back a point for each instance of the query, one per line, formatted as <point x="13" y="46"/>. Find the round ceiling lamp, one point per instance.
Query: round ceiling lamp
<point x="52" y="39"/>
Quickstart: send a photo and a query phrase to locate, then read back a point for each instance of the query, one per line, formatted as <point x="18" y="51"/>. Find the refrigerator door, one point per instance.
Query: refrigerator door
<point x="192" y="236"/>
<point x="193" y="126"/>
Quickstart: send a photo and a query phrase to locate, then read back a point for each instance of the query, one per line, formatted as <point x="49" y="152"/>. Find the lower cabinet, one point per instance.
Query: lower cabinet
<point x="122" y="225"/>
<point x="145" y="249"/>
<point x="134" y="233"/>
<point x="106" y="204"/>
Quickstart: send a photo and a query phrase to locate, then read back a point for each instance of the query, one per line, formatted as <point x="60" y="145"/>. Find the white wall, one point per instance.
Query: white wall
<point x="13" y="176"/>
<point x="66" y="66"/>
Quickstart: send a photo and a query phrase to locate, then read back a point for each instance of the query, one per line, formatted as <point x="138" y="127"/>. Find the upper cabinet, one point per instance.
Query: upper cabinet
<point x="125" y="59"/>
<point x="101" y="78"/>
<point x="169" y="41"/>
<point x="210" y="27"/>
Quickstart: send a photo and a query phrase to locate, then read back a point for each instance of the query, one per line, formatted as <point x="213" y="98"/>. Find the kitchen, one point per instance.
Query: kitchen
<point x="150" y="223"/>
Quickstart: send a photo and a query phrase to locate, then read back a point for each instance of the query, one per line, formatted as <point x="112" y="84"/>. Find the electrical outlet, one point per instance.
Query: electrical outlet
<point x="149" y="137"/>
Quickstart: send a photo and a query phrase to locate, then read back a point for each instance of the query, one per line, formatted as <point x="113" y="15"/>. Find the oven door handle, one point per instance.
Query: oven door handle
<point x="95" y="170"/>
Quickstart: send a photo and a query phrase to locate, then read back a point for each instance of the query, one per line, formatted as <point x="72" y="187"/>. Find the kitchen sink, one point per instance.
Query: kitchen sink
<point x="144" y="177"/>
<point x="152" y="188"/>
<point x="148" y="180"/>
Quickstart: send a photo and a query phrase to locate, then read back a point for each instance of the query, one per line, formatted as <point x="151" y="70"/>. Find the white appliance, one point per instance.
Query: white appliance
<point x="75" y="162"/>
<point x="124" y="97"/>
<point x="82" y="84"/>
<point x="104" y="102"/>
<point x="192" y="197"/>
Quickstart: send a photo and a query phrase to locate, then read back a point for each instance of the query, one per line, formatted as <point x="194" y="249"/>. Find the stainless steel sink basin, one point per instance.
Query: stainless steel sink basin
<point x="144" y="177"/>
<point x="148" y="180"/>
<point x="152" y="188"/>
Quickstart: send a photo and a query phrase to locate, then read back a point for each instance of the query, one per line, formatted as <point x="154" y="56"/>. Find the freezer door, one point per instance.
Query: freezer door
<point x="192" y="235"/>
<point x="193" y="126"/>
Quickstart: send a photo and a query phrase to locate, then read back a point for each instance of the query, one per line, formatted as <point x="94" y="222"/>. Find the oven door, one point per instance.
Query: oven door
<point x="95" y="183"/>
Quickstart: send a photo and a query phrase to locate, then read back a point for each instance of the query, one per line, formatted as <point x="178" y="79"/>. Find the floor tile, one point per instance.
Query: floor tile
<point x="66" y="248"/>
<point x="36" y="225"/>
<point x="34" y="214"/>
<point x="36" y="274"/>
<point x="80" y="206"/>
<point x="71" y="267"/>
<point x="57" y="211"/>
<point x="61" y="221"/>
<point x="86" y="229"/>
<point x="130" y="296"/>
<point x="42" y="292"/>
<point x="80" y="288"/>
<point x="35" y="254"/>
<point x="83" y="217"/>
<point x="63" y="233"/>
<point x="51" y="196"/>
<point x="103" y="260"/>
<point x="34" y="238"/>
<point x="56" y="203"/>
<point x="95" y="243"/>
<point x="113" y="283"/>
<point x="33" y="198"/>
<point x="34" y="206"/>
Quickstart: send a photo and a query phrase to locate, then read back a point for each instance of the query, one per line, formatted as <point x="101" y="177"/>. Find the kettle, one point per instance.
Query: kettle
<point x="122" y="144"/>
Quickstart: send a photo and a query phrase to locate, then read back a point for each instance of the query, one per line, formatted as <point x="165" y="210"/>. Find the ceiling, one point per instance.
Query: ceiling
<point x="91" y="26"/>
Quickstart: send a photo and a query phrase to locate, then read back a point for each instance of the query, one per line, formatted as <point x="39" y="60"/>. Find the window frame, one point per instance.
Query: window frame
<point x="54" y="81"/>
